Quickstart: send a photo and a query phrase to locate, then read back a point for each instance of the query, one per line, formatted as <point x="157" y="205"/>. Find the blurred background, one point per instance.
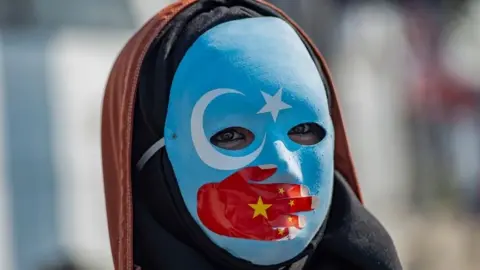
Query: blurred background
<point x="408" y="75"/>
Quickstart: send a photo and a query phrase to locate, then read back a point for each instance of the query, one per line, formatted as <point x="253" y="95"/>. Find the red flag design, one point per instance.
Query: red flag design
<point x="236" y="207"/>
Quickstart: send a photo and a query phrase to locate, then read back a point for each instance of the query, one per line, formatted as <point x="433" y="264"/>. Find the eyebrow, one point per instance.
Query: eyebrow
<point x="149" y="153"/>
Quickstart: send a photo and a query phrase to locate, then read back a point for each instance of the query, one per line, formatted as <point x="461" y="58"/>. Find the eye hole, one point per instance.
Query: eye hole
<point x="233" y="138"/>
<point x="307" y="133"/>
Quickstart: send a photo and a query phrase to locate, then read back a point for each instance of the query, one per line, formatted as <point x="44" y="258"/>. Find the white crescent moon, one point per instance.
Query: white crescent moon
<point x="204" y="148"/>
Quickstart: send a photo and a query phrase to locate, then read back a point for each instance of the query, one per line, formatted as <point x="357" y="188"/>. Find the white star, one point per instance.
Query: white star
<point x="273" y="104"/>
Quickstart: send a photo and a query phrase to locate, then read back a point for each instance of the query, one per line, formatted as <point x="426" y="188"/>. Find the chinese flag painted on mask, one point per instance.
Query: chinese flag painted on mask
<point x="241" y="207"/>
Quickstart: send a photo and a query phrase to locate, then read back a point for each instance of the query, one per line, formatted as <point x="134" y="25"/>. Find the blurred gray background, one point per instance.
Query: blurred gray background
<point x="408" y="77"/>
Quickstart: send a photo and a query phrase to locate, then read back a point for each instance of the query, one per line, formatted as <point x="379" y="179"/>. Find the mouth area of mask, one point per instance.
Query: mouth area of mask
<point x="244" y="103"/>
<point x="252" y="204"/>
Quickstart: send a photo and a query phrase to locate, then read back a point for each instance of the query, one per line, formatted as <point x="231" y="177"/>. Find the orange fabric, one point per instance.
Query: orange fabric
<point x="117" y="125"/>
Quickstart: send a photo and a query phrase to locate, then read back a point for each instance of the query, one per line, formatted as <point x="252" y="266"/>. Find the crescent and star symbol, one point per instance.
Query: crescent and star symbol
<point x="205" y="150"/>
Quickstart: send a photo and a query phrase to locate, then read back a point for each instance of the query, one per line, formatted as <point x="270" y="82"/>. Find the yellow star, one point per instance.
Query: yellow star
<point x="260" y="208"/>
<point x="281" y="191"/>
<point x="281" y="231"/>
<point x="290" y="219"/>
<point x="291" y="203"/>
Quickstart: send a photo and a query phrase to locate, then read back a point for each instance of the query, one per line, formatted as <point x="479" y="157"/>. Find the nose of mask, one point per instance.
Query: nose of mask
<point x="288" y="164"/>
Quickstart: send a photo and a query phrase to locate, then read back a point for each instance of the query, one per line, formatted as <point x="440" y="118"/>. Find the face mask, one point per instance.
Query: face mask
<point x="250" y="139"/>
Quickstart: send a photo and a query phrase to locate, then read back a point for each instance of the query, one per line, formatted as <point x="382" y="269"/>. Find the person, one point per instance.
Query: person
<point x="223" y="148"/>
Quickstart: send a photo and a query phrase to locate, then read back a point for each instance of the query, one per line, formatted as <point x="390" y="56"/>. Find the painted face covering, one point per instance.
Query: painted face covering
<point x="250" y="139"/>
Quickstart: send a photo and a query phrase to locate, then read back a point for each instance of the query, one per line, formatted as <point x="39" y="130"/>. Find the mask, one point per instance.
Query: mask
<point x="263" y="202"/>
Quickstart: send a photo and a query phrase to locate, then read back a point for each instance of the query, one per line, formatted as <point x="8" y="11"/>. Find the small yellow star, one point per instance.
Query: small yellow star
<point x="290" y="219"/>
<point x="260" y="208"/>
<point x="291" y="203"/>
<point x="281" y="231"/>
<point x="281" y="191"/>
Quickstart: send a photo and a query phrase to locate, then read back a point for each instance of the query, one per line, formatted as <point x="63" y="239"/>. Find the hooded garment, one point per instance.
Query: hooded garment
<point x="149" y="225"/>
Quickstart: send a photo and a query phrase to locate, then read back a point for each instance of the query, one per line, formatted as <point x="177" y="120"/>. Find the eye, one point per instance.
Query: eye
<point x="307" y="133"/>
<point x="232" y="138"/>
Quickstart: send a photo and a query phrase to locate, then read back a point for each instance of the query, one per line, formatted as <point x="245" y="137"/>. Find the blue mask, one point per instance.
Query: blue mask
<point x="266" y="201"/>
